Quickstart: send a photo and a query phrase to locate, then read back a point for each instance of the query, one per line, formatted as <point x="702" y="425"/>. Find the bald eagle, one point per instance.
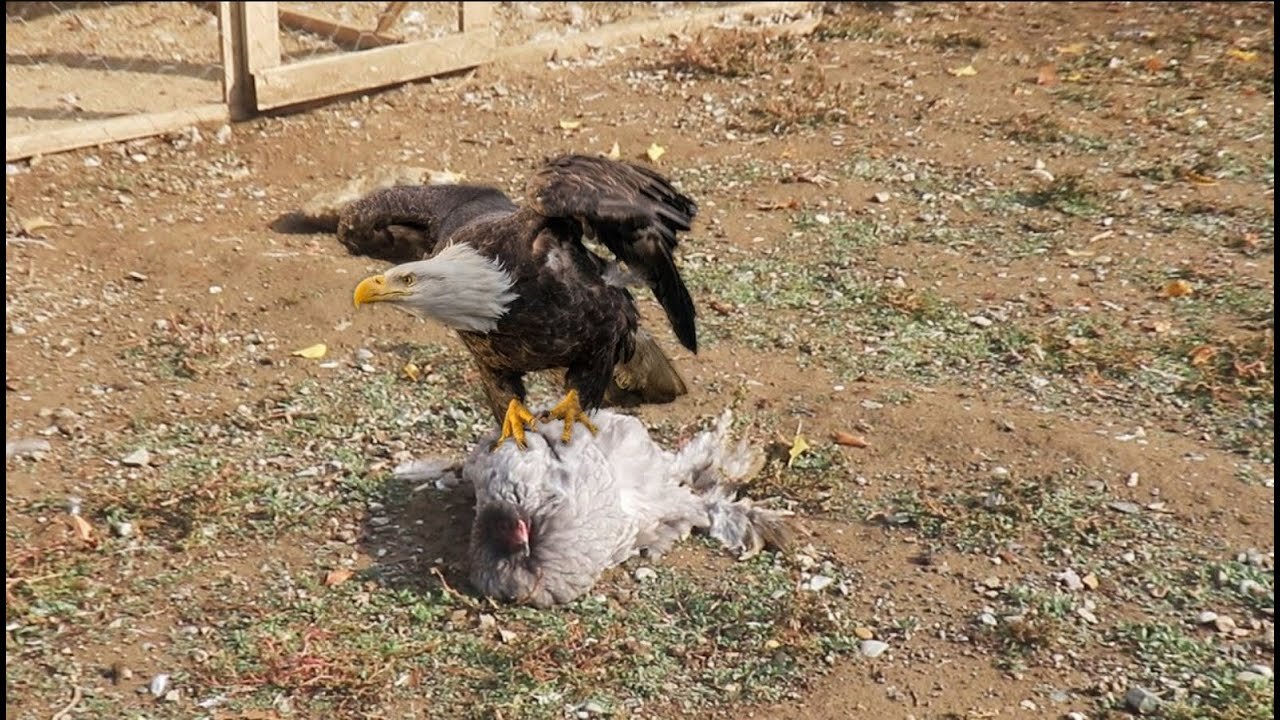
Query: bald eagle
<point x="524" y="293"/>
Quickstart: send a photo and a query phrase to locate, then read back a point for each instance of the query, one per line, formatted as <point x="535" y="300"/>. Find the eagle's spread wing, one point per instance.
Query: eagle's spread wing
<point x="406" y="223"/>
<point x="633" y="211"/>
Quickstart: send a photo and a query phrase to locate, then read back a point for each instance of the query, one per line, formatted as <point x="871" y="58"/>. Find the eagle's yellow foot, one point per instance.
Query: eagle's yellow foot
<point x="570" y="412"/>
<point x="517" y="419"/>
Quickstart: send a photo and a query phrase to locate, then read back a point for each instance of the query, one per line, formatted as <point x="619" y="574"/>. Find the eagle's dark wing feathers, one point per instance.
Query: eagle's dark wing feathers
<point x="406" y="223"/>
<point x="633" y="211"/>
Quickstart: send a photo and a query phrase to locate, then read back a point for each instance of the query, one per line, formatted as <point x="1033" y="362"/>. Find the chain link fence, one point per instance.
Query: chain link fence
<point x="88" y="73"/>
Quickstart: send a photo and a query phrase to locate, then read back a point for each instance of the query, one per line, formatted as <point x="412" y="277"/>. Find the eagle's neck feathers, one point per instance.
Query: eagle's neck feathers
<point x="460" y="288"/>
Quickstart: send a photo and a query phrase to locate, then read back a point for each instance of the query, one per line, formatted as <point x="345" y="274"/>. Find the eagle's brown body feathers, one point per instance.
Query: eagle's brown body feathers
<point x="565" y="314"/>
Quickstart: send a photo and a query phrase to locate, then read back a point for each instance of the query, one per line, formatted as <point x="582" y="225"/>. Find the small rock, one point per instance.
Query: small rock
<point x="593" y="707"/>
<point x="1206" y="617"/>
<point x="981" y="320"/>
<point x="215" y="289"/>
<point x="1262" y="670"/>
<point x="1132" y="480"/>
<point x="222" y="135"/>
<point x="137" y="458"/>
<point x="1125" y="507"/>
<point x="988" y="619"/>
<point x="364" y="354"/>
<point x="1071" y="579"/>
<point x="1077" y="716"/>
<point x="124" y="528"/>
<point x="644" y="574"/>
<point x="29" y="447"/>
<point x="1141" y="700"/>
<point x="159" y="685"/>
<point x="172" y="696"/>
<point x="136" y="276"/>
<point x="863" y="633"/>
<point x="1224" y="624"/>
<point x="881" y="197"/>
<point x="818" y="583"/>
<point x="487" y="621"/>
<point x="873" y="648"/>
<point x="999" y="471"/>
<point x="1250" y="677"/>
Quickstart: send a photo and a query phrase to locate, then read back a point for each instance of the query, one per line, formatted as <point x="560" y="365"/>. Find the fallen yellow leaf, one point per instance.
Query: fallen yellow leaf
<point x="615" y="152"/>
<point x="1242" y="55"/>
<point x="337" y="577"/>
<point x="849" y="439"/>
<point x="1202" y="355"/>
<point x="1177" y="288"/>
<point x="83" y="529"/>
<point x="411" y="372"/>
<point x="798" y="447"/>
<point x="655" y="151"/>
<point x="1199" y="179"/>
<point x="570" y="124"/>
<point x="315" y="352"/>
<point x="966" y="71"/>
<point x="35" y="224"/>
<point x="1073" y="49"/>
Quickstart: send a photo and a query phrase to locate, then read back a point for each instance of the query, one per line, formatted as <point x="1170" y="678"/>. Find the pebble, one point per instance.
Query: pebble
<point x="1141" y="700"/>
<point x="999" y="471"/>
<point x="159" y="685"/>
<point x="364" y="354"/>
<point x="1224" y="624"/>
<point x="1248" y="676"/>
<point x="873" y="648"/>
<point x="136" y="276"/>
<point x="1077" y="716"/>
<point x="1125" y="507"/>
<point x="29" y="447"/>
<point x="1071" y="579"/>
<point x="1132" y="480"/>
<point x="863" y="633"/>
<point x="644" y="574"/>
<point x="1262" y="670"/>
<point x="1206" y="617"/>
<point x="881" y="197"/>
<point x="981" y="321"/>
<point x="137" y="458"/>
<point x="818" y="583"/>
<point x="215" y="289"/>
<point x="987" y="618"/>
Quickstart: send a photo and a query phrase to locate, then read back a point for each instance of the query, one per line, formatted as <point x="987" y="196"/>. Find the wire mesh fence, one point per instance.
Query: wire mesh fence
<point x="88" y="73"/>
<point x="68" y="65"/>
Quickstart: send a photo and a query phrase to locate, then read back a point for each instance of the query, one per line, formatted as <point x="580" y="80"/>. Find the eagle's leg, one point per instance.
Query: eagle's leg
<point x="570" y="411"/>
<point x="516" y="420"/>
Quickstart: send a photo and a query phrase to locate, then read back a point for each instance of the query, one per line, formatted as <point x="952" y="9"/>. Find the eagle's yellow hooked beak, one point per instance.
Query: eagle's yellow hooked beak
<point x="374" y="289"/>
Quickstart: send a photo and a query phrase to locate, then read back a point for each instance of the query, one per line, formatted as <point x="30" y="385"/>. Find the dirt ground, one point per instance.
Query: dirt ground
<point x="1018" y="258"/>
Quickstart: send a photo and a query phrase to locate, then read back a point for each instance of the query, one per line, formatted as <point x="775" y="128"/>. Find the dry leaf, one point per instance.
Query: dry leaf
<point x="83" y="529"/>
<point x="966" y="71"/>
<point x="1159" y="326"/>
<point x="337" y="577"/>
<point x="798" y="447"/>
<point x="1073" y="49"/>
<point x="34" y="225"/>
<point x="1202" y="355"/>
<point x="1048" y="76"/>
<point x="615" y="152"/>
<point x="1250" y="371"/>
<point x="1154" y="64"/>
<point x="1199" y="179"/>
<point x="1177" y="288"/>
<point x="411" y="372"/>
<point x="315" y="352"/>
<point x="1242" y="55"/>
<point x="570" y="124"/>
<point x="655" y="151"/>
<point x="849" y="439"/>
<point x="720" y="308"/>
<point x="792" y="204"/>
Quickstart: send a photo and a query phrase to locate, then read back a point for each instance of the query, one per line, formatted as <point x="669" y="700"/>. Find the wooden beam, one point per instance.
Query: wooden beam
<point x="237" y="81"/>
<point x="113" y="130"/>
<point x="389" y="16"/>
<point x="341" y="35"/>
<point x="475" y="15"/>
<point x="261" y="35"/>
<point x="334" y="75"/>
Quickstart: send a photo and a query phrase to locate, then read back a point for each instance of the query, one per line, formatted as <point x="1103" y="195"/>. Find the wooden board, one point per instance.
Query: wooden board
<point x="336" y="75"/>
<point x="341" y="35"/>
<point x="475" y="15"/>
<point x="113" y="130"/>
<point x="261" y="34"/>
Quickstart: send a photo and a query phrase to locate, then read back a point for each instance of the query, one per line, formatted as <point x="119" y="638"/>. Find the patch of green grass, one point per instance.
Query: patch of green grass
<point x="1069" y="194"/>
<point x="677" y="642"/>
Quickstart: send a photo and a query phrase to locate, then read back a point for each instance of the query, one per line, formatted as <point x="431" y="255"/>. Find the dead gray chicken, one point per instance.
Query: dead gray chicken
<point x="551" y="519"/>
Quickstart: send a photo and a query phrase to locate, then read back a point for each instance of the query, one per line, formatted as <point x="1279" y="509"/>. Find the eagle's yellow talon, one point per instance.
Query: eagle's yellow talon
<point x="517" y="419"/>
<point x="570" y="411"/>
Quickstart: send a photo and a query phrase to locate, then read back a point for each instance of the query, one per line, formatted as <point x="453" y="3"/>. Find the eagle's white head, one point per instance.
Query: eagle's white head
<point x="457" y="286"/>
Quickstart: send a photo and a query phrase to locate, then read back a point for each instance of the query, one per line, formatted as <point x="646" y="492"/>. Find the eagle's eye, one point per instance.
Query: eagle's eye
<point x="408" y="279"/>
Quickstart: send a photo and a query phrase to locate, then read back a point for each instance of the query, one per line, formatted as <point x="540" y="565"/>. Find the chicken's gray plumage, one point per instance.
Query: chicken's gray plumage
<point x="602" y="499"/>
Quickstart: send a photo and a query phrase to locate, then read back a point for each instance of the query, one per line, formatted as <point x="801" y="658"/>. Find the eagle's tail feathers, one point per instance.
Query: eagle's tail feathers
<point x="649" y="377"/>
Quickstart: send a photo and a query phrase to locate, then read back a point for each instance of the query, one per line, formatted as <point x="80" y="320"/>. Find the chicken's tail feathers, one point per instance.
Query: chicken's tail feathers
<point x="716" y="468"/>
